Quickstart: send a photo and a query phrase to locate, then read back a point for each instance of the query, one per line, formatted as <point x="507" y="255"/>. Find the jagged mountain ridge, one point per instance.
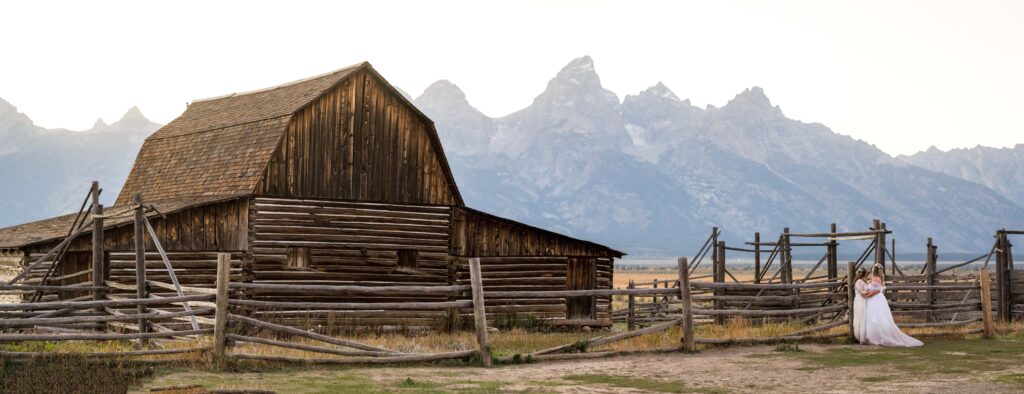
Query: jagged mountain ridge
<point x="1000" y="169"/>
<point x="652" y="173"/>
<point x="47" y="172"/>
<point x="649" y="174"/>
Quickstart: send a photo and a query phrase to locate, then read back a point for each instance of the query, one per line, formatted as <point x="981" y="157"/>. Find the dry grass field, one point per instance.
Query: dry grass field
<point x="623" y="276"/>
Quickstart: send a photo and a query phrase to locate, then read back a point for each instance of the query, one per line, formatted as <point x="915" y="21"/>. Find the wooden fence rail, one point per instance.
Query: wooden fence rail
<point x="823" y="305"/>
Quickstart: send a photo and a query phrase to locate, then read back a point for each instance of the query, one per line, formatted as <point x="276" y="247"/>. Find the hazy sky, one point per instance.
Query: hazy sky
<point x="900" y="74"/>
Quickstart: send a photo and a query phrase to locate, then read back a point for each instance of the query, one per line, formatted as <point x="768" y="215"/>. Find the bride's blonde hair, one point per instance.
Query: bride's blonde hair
<point x="879" y="271"/>
<point x="860" y="274"/>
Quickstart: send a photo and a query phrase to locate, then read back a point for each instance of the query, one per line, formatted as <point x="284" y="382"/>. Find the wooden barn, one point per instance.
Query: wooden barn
<point x="335" y="179"/>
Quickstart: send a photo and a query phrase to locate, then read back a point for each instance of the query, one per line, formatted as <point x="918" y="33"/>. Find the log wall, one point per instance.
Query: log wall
<point x="350" y="243"/>
<point x="478" y="234"/>
<point x="538" y="273"/>
<point x="215" y="226"/>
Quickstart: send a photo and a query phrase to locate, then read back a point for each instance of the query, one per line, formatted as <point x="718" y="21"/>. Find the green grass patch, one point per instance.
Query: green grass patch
<point x="944" y="356"/>
<point x="1013" y="378"/>
<point x="876" y="379"/>
<point x="788" y="347"/>
<point x="660" y="386"/>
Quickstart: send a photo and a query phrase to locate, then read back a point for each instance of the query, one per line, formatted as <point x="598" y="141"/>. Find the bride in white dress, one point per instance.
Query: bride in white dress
<point x="878" y="326"/>
<point x="859" y="303"/>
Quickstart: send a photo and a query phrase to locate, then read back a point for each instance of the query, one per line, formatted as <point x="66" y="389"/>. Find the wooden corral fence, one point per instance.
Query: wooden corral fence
<point x="156" y="311"/>
<point x="230" y="325"/>
<point x="934" y="298"/>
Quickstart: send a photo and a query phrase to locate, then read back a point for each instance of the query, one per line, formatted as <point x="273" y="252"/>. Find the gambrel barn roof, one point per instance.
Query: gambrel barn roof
<point x="221" y="146"/>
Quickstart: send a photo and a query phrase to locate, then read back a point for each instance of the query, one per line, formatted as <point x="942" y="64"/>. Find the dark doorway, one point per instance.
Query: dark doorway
<point x="581" y="274"/>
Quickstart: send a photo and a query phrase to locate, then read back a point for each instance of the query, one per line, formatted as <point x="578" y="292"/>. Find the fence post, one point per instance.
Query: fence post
<point x="631" y="312"/>
<point x="757" y="257"/>
<point x="986" y="302"/>
<point x="220" y="323"/>
<point x="833" y="258"/>
<point x="879" y="243"/>
<point x="98" y="253"/>
<point x="787" y="254"/>
<point x="929" y="272"/>
<point x="479" y="314"/>
<point x="851" y="295"/>
<point x="1002" y="295"/>
<point x="687" y="306"/>
<point x="1008" y="266"/>
<point x="140" y="262"/>
<point x="719" y="278"/>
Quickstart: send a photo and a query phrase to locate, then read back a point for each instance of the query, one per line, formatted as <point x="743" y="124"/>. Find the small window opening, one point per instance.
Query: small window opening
<point x="298" y="257"/>
<point x="408" y="261"/>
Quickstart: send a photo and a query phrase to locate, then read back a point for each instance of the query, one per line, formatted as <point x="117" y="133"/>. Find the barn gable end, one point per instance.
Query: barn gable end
<point x="360" y="141"/>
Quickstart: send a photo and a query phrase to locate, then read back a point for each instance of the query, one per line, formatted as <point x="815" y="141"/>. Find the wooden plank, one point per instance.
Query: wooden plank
<point x="479" y="312"/>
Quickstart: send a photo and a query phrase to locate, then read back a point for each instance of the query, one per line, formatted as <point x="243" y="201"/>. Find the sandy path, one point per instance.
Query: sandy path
<point x="745" y="370"/>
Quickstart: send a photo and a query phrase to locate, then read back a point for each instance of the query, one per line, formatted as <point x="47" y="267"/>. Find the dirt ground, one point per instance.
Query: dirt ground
<point x="811" y="368"/>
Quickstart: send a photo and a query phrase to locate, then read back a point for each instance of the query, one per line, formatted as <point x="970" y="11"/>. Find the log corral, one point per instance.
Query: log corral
<point x="333" y="180"/>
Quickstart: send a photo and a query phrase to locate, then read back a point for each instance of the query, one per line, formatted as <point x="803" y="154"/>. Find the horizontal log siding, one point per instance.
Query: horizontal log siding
<point x="359" y="141"/>
<point x="477" y="234"/>
<point x="350" y="243"/>
<point x="519" y="273"/>
<point x="216" y="226"/>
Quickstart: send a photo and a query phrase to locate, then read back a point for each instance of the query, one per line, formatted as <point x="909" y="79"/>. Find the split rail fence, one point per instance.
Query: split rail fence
<point x="232" y="324"/>
<point x="178" y="318"/>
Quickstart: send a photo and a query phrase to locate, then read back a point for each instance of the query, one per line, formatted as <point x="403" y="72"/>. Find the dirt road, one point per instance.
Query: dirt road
<point x="813" y="368"/>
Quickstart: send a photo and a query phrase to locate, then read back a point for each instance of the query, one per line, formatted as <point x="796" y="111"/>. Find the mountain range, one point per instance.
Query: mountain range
<point x="47" y="172"/>
<point x="649" y="174"/>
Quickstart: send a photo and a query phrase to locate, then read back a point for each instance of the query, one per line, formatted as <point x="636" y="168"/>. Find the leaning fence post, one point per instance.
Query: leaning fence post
<point x="850" y="295"/>
<point x="220" y="323"/>
<point x="631" y="311"/>
<point x="480" y="316"/>
<point x="687" y="306"/>
<point x="986" y="302"/>
<point x="140" y="262"/>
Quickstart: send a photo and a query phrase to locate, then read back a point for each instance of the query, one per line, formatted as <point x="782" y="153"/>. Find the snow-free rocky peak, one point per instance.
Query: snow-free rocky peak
<point x="661" y="91"/>
<point x="467" y="131"/>
<point x="443" y="93"/>
<point x="752" y="101"/>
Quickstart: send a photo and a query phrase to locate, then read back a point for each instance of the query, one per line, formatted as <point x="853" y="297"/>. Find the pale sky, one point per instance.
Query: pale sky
<point x="902" y="75"/>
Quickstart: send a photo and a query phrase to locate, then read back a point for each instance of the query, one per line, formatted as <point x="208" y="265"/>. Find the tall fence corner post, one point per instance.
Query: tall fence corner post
<point x="479" y="314"/>
<point x="221" y="313"/>
<point x="689" y="342"/>
<point x="851" y="296"/>
<point x="986" y="302"/>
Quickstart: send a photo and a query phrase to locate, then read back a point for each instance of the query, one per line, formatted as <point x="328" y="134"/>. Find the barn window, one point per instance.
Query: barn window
<point x="298" y="257"/>
<point x="408" y="260"/>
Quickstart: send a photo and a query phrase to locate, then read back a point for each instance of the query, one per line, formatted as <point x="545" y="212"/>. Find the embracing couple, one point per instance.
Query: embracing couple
<point x="872" y="319"/>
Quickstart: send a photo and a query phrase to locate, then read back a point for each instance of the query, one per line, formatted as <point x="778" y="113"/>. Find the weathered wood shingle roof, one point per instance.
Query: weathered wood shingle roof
<point x="220" y="146"/>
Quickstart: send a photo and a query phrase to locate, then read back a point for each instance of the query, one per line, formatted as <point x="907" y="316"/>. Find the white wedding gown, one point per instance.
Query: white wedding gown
<point x="858" y="310"/>
<point x="879" y="328"/>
